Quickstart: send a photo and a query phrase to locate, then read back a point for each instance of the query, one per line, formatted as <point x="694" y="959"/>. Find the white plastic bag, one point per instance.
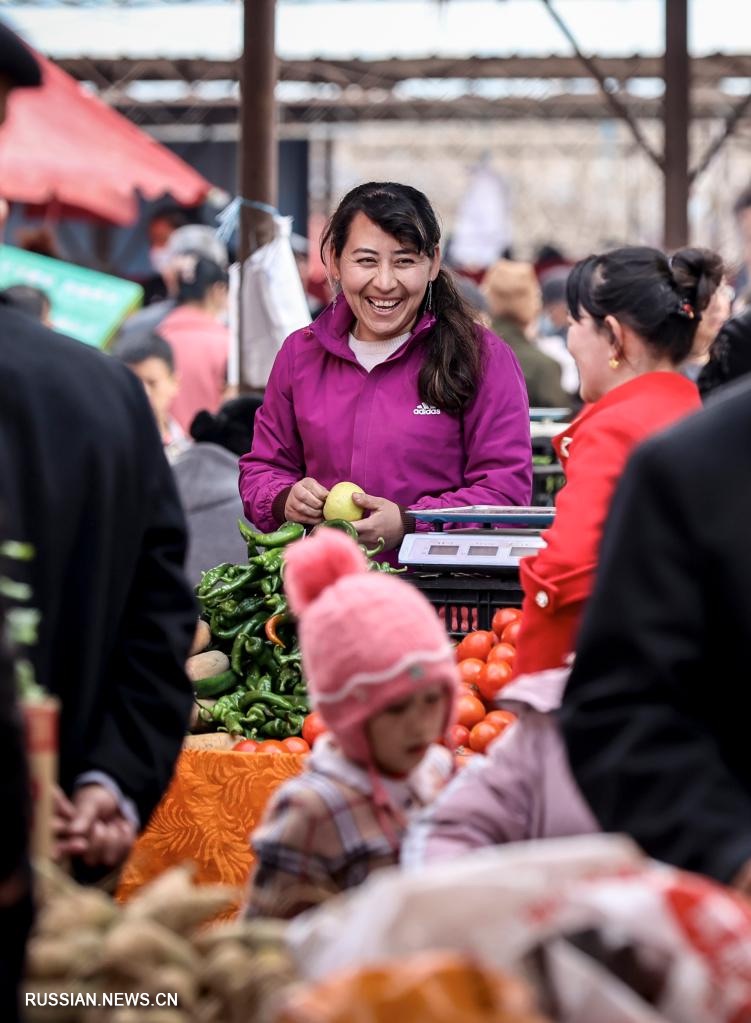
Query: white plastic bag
<point x="503" y="903"/>
<point x="273" y="305"/>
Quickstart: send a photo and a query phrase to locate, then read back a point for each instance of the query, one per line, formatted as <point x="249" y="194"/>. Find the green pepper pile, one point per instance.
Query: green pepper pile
<point x="262" y="694"/>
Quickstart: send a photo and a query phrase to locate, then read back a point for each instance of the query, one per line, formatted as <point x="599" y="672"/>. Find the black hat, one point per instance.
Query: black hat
<point x="17" y="62"/>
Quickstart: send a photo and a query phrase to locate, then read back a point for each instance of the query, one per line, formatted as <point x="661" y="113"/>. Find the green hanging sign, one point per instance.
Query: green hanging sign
<point x="85" y="304"/>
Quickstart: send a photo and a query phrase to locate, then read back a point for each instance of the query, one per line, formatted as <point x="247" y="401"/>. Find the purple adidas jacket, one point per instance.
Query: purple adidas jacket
<point x="325" y="416"/>
<point x="521" y="789"/>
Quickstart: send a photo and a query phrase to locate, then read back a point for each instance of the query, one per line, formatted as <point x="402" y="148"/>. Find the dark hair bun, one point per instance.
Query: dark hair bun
<point x="697" y="274"/>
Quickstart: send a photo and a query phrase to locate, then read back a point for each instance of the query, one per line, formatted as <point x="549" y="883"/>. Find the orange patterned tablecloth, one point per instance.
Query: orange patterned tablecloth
<point x="214" y="801"/>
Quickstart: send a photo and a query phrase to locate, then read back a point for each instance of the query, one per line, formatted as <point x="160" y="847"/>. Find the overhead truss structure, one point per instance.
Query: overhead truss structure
<point x="341" y="91"/>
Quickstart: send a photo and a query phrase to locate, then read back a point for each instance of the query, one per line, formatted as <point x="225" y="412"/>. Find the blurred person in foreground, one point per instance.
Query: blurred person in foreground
<point x="30" y="300"/>
<point x="512" y="293"/>
<point x="18" y="69"/>
<point x="655" y="710"/>
<point x="86" y="483"/>
<point x="206" y="476"/>
<point x="150" y="357"/>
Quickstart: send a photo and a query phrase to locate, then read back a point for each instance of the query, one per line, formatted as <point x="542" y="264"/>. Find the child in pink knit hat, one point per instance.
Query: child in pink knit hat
<point x="381" y="672"/>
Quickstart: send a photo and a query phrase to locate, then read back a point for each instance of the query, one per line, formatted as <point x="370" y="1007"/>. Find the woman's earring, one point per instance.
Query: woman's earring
<point x="429" y="300"/>
<point x="613" y="362"/>
<point x="336" y="293"/>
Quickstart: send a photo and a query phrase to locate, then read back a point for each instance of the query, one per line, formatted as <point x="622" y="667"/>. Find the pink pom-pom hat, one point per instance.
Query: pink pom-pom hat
<point x="368" y="639"/>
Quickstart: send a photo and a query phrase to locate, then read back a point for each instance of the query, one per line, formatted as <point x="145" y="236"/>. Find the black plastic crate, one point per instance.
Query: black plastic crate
<point x="467" y="601"/>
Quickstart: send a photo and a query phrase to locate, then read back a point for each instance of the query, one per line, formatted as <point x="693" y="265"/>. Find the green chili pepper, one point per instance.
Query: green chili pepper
<point x="247" y="607"/>
<point x="278" y="728"/>
<point x="343" y="525"/>
<point x="271" y="584"/>
<point x="273" y="700"/>
<point x="269" y="560"/>
<point x="219" y="593"/>
<point x="216" y="684"/>
<point x="287" y="533"/>
<point x="380" y="544"/>
<point x="212" y="576"/>
<point x="238" y="646"/>
<point x="254" y="716"/>
<point x="276" y="602"/>
<point x="220" y="631"/>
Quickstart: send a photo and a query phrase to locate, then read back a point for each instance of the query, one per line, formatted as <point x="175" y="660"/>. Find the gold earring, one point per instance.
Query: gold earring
<point x="613" y="362"/>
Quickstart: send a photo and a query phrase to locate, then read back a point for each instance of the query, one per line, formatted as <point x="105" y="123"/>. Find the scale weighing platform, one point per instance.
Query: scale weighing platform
<point x="506" y="534"/>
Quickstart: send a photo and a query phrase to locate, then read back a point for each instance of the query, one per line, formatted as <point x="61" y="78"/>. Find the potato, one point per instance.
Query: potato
<point x="68" y="956"/>
<point x="211" y="662"/>
<point x="214" y="740"/>
<point x="201" y="637"/>
<point x="86" y="907"/>
<point x="175" y="902"/>
<point x="135" y="947"/>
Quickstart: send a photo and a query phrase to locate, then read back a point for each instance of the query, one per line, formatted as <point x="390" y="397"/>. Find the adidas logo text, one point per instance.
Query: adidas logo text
<point x="424" y="409"/>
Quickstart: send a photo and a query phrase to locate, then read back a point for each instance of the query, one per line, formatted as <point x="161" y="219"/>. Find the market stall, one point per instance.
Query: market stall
<point x="215" y="800"/>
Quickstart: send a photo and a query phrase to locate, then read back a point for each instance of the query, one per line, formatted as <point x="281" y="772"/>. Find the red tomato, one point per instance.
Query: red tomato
<point x="476" y="644"/>
<point x="458" y="736"/>
<point x="511" y="633"/>
<point x="502" y="718"/>
<point x="312" y="727"/>
<point x="270" y="746"/>
<point x="470" y="670"/>
<point x="469" y="710"/>
<point x="482" y="735"/>
<point x="462" y="757"/>
<point x="502" y="652"/>
<point x="294" y="744"/>
<point x="494" y="678"/>
<point x="502" y="617"/>
<point x="246" y="746"/>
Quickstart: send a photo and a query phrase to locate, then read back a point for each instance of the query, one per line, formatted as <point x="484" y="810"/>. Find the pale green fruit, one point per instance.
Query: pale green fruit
<point x="339" y="503"/>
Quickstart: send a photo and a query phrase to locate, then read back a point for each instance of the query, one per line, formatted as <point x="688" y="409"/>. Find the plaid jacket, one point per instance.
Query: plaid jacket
<point x="323" y="833"/>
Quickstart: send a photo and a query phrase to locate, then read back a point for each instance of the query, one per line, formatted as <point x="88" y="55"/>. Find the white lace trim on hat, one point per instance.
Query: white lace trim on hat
<point x="370" y="678"/>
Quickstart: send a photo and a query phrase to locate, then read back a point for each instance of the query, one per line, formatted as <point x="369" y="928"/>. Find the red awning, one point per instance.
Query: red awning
<point x="63" y="147"/>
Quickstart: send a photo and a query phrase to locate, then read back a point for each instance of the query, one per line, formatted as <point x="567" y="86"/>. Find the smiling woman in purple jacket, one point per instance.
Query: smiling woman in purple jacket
<point x="393" y="387"/>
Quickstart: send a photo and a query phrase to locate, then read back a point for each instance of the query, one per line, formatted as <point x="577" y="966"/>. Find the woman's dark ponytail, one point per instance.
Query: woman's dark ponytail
<point x="448" y="378"/>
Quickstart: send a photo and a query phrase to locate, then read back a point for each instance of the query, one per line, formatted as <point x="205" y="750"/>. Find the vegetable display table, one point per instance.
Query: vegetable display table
<point x="215" y="799"/>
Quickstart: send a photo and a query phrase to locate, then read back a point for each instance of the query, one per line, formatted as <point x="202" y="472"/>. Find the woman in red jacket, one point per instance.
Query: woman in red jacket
<point x="633" y="315"/>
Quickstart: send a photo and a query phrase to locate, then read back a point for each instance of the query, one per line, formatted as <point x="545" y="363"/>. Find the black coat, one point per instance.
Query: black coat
<point x="89" y="486"/>
<point x="656" y="714"/>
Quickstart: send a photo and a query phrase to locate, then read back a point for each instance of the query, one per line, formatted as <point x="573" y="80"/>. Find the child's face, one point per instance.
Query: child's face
<point x="400" y="735"/>
<point x="160" y="384"/>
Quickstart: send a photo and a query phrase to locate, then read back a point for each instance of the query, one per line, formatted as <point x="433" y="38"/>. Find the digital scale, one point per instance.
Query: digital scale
<point x="505" y="535"/>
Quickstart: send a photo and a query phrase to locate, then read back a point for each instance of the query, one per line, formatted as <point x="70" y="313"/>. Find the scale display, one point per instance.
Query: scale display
<point x="457" y="551"/>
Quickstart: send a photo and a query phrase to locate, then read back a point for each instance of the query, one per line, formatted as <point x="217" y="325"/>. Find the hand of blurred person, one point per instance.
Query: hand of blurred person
<point x="305" y="502"/>
<point x="385" y="520"/>
<point x="63" y="813"/>
<point x="97" y="831"/>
